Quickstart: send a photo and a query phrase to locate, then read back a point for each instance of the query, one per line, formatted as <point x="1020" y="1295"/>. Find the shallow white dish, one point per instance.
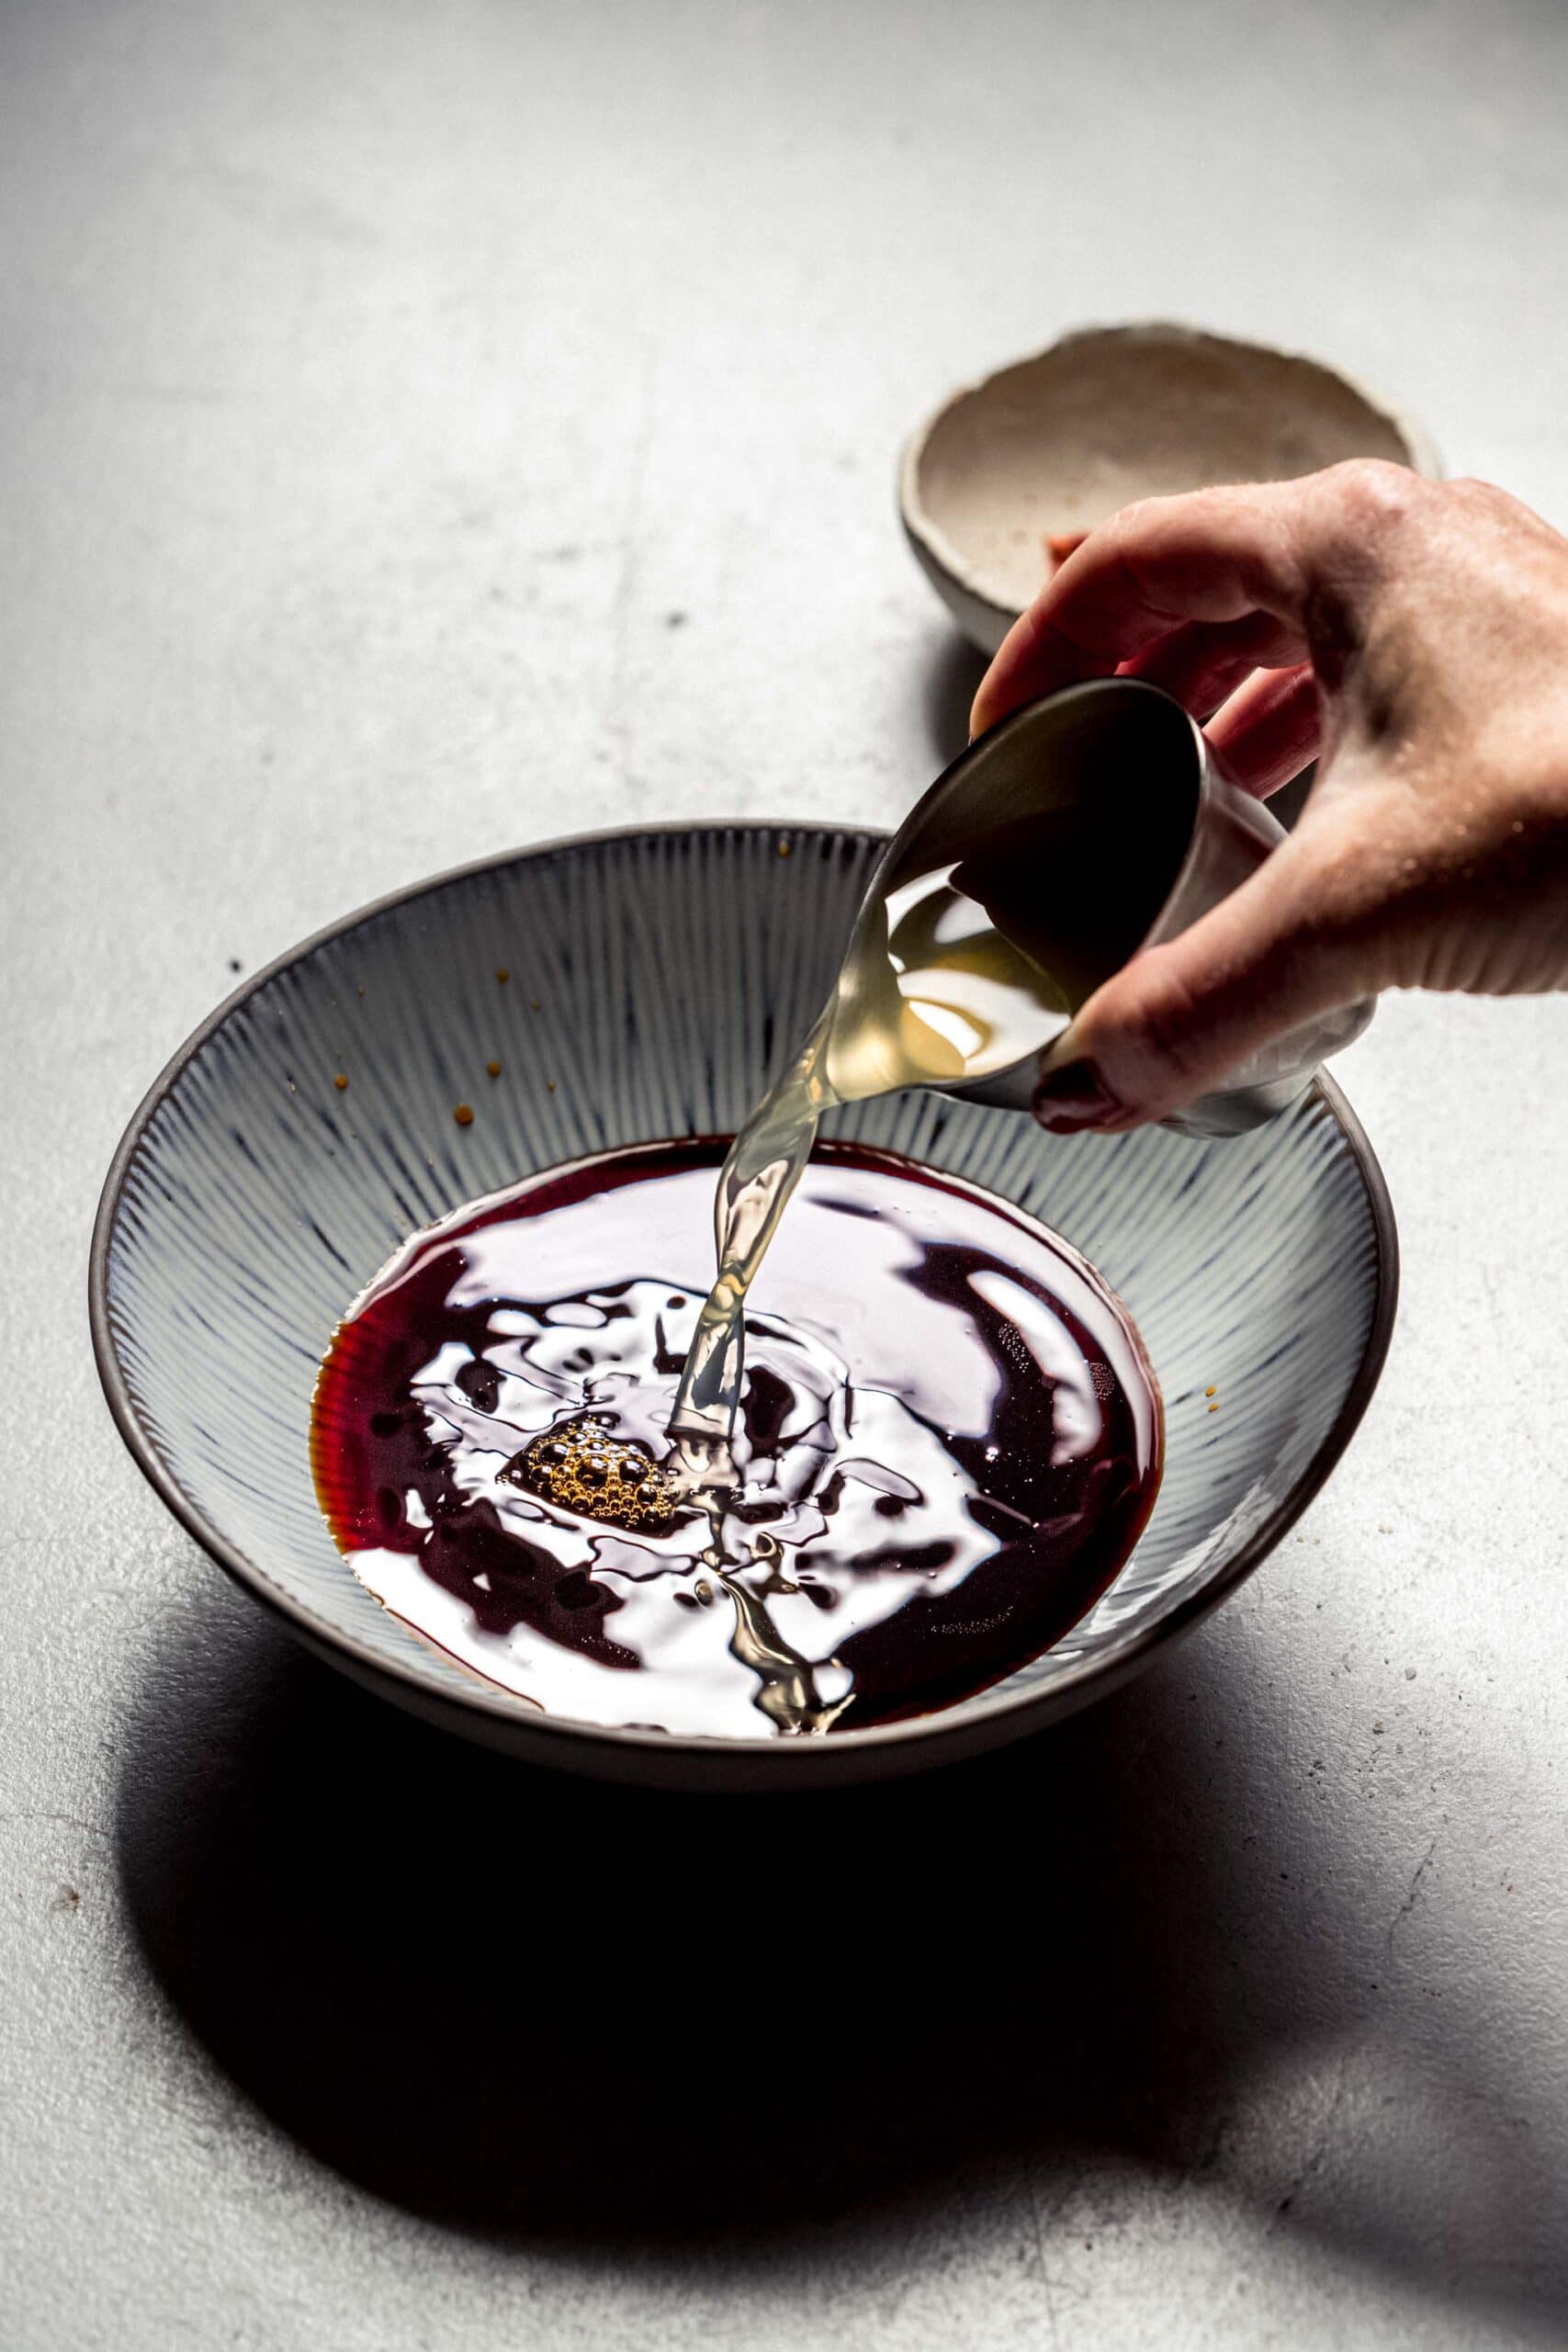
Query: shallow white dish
<point x="1053" y="444"/>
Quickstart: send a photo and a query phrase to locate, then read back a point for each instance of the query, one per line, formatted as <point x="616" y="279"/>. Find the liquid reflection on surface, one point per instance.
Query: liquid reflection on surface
<point x="948" y="1444"/>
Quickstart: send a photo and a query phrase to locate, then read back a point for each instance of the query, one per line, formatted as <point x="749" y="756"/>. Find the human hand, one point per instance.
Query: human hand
<point x="1412" y="637"/>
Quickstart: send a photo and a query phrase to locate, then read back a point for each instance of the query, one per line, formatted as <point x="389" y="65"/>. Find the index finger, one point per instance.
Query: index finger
<point x="1208" y="555"/>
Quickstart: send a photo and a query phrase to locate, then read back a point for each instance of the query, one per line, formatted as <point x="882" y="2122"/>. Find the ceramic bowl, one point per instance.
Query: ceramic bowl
<point x="1052" y="446"/>
<point x="659" y="979"/>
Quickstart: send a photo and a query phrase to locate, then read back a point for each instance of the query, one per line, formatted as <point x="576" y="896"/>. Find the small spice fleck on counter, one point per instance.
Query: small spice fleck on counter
<point x="464" y="1114"/>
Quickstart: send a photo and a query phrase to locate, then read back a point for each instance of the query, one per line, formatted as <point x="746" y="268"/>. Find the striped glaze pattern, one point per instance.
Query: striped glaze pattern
<point x="655" y="980"/>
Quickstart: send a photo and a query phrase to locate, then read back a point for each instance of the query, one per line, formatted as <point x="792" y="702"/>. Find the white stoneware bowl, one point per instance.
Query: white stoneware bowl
<point x="1051" y="445"/>
<point x="659" y="979"/>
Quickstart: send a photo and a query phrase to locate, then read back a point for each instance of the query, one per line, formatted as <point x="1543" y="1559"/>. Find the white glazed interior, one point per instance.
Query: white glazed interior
<point x="1058" y="442"/>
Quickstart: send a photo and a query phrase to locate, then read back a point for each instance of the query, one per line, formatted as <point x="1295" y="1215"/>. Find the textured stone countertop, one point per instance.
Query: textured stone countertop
<point x="427" y="429"/>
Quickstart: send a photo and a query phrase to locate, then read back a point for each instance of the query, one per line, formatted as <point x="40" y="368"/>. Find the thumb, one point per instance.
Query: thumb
<point x="1178" y="1019"/>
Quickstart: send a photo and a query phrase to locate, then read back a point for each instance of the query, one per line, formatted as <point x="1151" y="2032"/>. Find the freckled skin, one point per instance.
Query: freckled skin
<point x="1410" y="636"/>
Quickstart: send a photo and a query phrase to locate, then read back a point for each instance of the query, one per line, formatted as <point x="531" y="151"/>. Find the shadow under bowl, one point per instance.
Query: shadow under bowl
<point x="655" y="981"/>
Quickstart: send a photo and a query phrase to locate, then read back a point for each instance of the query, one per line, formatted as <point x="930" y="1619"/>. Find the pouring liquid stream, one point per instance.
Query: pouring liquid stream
<point x="953" y="973"/>
<point x="930" y="991"/>
<point x="972" y="950"/>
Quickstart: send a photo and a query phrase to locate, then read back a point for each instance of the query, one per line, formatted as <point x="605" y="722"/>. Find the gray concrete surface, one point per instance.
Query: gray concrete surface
<point x="380" y="382"/>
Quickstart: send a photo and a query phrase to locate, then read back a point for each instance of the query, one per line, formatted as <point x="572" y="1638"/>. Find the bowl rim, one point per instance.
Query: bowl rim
<point x="498" y="1715"/>
<point x="933" y="544"/>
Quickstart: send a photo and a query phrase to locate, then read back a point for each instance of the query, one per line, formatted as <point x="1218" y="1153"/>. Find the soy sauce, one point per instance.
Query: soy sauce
<point x="948" y="1444"/>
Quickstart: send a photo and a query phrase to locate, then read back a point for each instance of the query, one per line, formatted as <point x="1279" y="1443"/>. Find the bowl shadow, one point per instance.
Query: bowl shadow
<point x="541" y="2009"/>
<point x="508" y="1999"/>
<point x="511" y="2001"/>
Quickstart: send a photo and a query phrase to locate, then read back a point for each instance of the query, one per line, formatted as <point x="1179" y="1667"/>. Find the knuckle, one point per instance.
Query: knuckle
<point x="1132" y="528"/>
<point x="1374" y="494"/>
<point x="1159" y="1023"/>
<point x="1478" y="507"/>
<point x="1350" y="890"/>
<point x="1129" y="520"/>
<point x="1469" y="490"/>
<point x="1478" y="513"/>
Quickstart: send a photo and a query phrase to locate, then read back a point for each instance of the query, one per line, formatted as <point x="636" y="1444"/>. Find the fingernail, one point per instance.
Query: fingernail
<point x="1074" y="1096"/>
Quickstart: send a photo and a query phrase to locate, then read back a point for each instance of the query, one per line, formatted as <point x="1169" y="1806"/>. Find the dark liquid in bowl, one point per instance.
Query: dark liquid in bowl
<point x="949" y="1443"/>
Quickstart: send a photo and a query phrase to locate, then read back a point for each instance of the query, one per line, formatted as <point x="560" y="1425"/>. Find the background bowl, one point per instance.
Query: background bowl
<point x="1054" y="444"/>
<point x="658" y="978"/>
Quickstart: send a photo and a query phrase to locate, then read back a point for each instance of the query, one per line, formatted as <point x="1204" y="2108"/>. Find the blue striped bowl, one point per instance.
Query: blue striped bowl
<point x="659" y="977"/>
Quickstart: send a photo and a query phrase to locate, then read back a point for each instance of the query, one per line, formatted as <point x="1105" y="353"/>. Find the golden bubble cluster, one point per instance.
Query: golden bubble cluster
<point x="579" y="1465"/>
